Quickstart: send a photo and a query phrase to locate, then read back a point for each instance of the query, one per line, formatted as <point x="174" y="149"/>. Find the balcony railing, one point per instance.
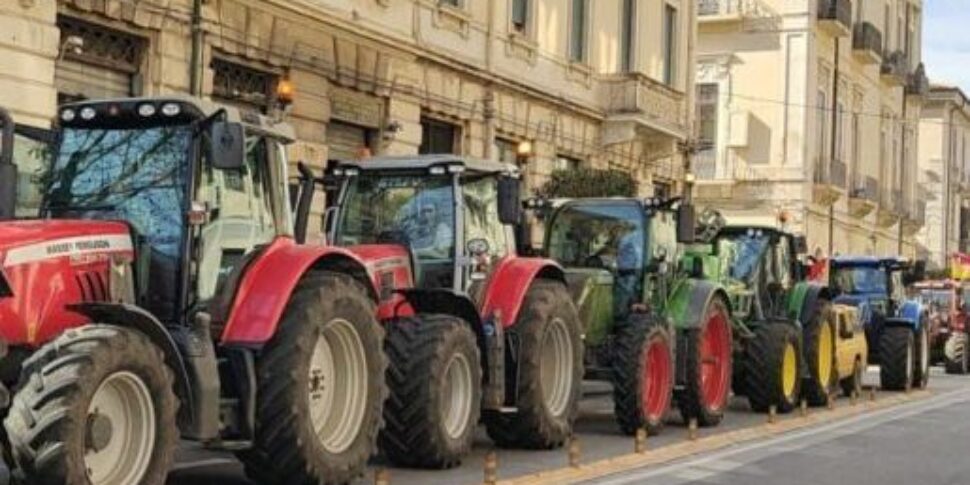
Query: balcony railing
<point x="645" y="101"/>
<point x="865" y="188"/>
<point x="830" y="173"/>
<point x="727" y="10"/>
<point x="917" y="84"/>
<point x="867" y="43"/>
<point x="835" y="16"/>
<point x="899" y="204"/>
<point x="894" y="68"/>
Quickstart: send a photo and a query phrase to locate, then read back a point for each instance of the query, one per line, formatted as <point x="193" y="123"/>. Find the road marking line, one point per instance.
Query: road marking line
<point x="202" y="464"/>
<point x="666" y="454"/>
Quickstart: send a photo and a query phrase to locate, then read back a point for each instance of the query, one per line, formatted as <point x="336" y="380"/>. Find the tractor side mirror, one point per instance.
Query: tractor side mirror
<point x="686" y="223"/>
<point x="509" y="204"/>
<point x="801" y="244"/>
<point x="227" y="145"/>
<point x="8" y="171"/>
<point x="915" y="273"/>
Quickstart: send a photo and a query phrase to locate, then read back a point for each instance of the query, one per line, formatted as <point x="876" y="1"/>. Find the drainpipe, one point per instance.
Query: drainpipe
<point x="832" y="146"/>
<point x="195" y="63"/>
<point x="902" y="167"/>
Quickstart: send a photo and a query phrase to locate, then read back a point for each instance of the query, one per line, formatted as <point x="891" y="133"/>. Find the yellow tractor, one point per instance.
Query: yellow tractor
<point x="850" y="352"/>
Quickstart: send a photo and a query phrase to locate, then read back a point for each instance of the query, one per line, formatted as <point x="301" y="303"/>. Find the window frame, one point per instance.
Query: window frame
<point x="527" y="30"/>
<point x="578" y="37"/>
<point x="628" y="35"/>
<point x="671" y="29"/>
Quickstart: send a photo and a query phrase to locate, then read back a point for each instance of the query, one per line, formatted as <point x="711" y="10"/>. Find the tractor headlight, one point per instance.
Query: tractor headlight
<point x="88" y="113"/>
<point x="68" y="115"/>
<point x="147" y="110"/>
<point x="171" y="109"/>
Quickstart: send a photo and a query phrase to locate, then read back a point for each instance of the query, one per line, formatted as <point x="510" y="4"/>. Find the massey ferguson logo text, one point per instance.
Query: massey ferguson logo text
<point x="86" y="245"/>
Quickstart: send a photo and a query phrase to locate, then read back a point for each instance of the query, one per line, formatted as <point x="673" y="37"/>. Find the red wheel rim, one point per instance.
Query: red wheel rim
<point x="655" y="380"/>
<point x="715" y="355"/>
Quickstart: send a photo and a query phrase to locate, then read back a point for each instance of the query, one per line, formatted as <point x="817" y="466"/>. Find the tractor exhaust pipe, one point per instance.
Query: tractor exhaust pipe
<point x="8" y="171"/>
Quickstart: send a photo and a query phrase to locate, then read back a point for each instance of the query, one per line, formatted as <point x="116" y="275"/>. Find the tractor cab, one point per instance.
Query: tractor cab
<point x="616" y="251"/>
<point x="877" y="284"/>
<point x="760" y="267"/>
<point x="454" y="216"/>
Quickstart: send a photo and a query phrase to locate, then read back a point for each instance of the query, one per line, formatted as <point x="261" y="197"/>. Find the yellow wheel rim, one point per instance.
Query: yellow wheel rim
<point x="825" y="350"/>
<point x="789" y="368"/>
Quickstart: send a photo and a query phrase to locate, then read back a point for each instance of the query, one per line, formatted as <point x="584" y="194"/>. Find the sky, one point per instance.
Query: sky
<point x="946" y="42"/>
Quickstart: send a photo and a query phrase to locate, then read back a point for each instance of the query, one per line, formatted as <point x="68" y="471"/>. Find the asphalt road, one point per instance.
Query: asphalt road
<point x="925" y="442"/>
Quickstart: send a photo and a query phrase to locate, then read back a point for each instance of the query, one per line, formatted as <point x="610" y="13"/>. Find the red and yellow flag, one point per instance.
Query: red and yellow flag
<point x="960" y="266"/>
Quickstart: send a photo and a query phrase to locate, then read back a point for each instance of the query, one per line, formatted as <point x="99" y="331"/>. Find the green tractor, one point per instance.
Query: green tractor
<point x="638" y="305"/>
<point x="784" y="326"/>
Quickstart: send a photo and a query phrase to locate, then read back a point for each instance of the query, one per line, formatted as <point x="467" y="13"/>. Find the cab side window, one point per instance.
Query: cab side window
<point x="241" y="216"/>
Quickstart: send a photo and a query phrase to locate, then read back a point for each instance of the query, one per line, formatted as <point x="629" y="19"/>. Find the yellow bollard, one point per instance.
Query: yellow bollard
<point x="772" y="413"/>
<point x="692" y="429"/>
<point x="803" y="408"/>
<point x="640" y="441"/>
<point x="574" y="451"/>
<point x="491" y="468"/>
<point x="382" y="477"/>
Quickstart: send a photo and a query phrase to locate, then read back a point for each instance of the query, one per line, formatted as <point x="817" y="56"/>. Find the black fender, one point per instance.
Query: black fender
<point x="136" y="318"/>
<point x="813" y="294"/>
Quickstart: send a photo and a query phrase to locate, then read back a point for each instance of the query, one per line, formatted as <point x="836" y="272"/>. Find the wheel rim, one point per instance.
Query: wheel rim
<point x="456" y="403"/>
<point x="120" y="431"/>
<point x="655" y="380"/>
<point x="556" y="367"/>
<point x="715" y="353"/>
<point x="338" y="384"/>
<point x="789" y="368"/>
<point x="909" y="365"/>
<point x="825" y="353"/>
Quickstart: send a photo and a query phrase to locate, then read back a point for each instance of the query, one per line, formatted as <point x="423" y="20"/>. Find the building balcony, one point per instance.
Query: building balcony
<point x="964" y="187"/>
<point x="894" y="69"/>
<point x="867" y="43"/>
<point x="727" y="11"/>
<point x="635" y="98"/>
<point x="887" y="213"/>
<point x="917" y="84"/>
<point x="914" y="217"/>
<point x="863" y="196"/>
<point x="835" y="17"/>
<point x="829" y="181"/>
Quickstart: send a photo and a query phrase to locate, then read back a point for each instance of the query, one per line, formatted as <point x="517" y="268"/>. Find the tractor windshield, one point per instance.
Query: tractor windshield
<point x="860" y="279"/>
<point x="416" y="210"/>
<point x="138" y="176"/>
<point x="938" y="299"/>
<point x="741" y="253"/>
<point x="599" y="236"/>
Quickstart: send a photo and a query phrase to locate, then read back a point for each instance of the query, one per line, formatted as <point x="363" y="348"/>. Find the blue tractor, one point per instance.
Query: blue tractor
<point x="897" y="327"/>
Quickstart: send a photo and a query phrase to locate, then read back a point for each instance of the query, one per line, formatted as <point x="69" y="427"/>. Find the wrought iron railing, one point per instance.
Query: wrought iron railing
<point x="836" y="10"/>
<point x="867" y="36"/>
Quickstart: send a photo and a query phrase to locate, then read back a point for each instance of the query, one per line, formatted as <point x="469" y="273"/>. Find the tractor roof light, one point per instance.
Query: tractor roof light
<point x="338" y="172"/>
<point x="147" y="110"/>
<point x="68" y="115"/>
<point x="456" y="168"/>
<point x="352" y="172"/>
<point x="88" y="113"/>
<point x="437" y="170"/>
<point x="171" y="109"/>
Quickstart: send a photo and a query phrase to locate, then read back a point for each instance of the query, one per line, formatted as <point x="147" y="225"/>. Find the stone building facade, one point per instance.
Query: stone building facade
<point x="944" y="169"/>
<point x="810" y="109"/>
<point x="545" y="83"/>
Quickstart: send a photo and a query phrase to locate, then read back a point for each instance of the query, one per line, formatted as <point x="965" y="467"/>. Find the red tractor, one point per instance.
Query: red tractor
<point x="474" y="331"/>
<point x="948" y="323"/>
<point x="162" y="294"/>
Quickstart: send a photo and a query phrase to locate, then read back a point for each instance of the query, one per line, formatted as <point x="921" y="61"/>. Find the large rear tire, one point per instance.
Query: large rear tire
<point x="435" y="382"/>
<point x="320" y="387"/>
<point x="921" y="373"/>
<point x="957" y="358"/>
<point x="550" y="360"/>
<point x="643" y="375"/>
<point x="896" y="358"/>
<point x="820" y="353"/>
<point x="771" y="365"/>
<point x="96" y="407"/>
<point x="709" y="364"/>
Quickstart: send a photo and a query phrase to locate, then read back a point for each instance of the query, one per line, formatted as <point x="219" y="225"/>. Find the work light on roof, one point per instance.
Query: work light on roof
<point x="438" y="170"/>
<point x="68" y="115"/>
<point x="88" y="113"/>
<point x="352" y="172"/>
<point x="456" y="168"/>
<point x="147" y="110"/>
<point x="171" y="109"/>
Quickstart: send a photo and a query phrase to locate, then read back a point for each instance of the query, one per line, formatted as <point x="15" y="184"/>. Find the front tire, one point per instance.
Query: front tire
<point x="771" y="366"/>
<point x="320" y="387"/>
<point x="96" y="407"/>
<point x="921" y="373"/>
<point x="643" y="375"/>
<point x="896" y="359"/>
<point x="709" y="365"/>
<point x="820" y="352"/>
<point x="549" y="375"/>
<point x="956" y="356"/>
<point x="435" y="382"/>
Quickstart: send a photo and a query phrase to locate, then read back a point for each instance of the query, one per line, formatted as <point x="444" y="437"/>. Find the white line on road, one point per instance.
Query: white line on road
<point x="794" y="441"/>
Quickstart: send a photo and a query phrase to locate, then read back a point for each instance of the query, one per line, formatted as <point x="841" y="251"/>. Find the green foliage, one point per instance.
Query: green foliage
<point x="589" y="182"/>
